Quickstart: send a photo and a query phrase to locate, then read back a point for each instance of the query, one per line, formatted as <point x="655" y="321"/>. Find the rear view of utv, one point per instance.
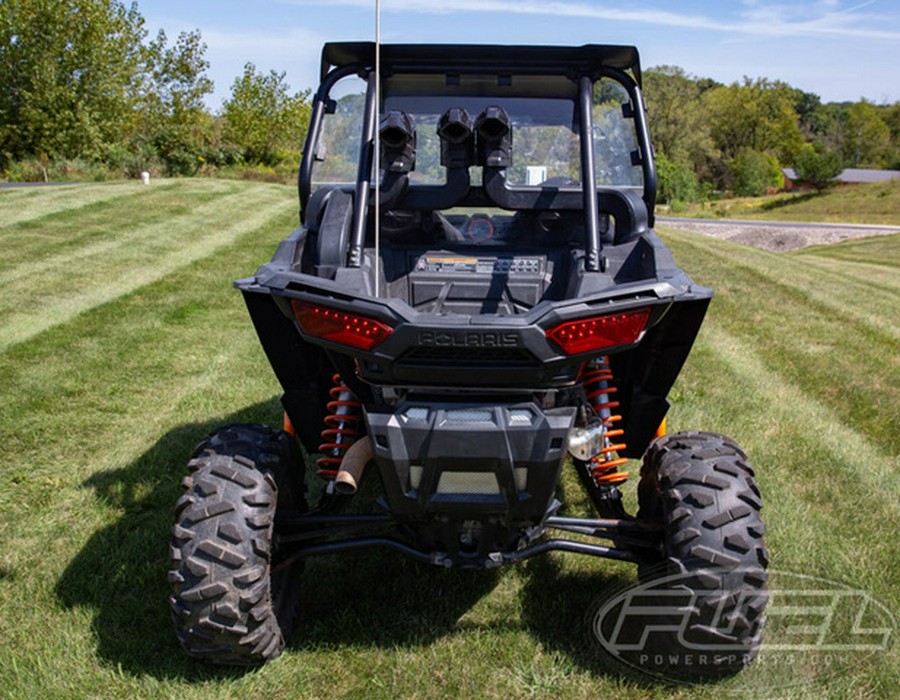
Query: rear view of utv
<point x="474" y="302"/>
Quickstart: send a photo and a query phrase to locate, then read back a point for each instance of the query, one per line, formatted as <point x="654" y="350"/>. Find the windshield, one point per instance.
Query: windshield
<point x="543" y="115"/>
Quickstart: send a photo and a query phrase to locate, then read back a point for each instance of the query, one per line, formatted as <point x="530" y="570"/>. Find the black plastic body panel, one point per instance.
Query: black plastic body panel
<point x="470" y="458"/>
<point x="481" y="354"/>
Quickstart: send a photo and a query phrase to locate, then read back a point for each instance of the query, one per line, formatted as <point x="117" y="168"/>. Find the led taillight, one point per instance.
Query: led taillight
<point x="338" y="326"/>
<point x="600" y="332"/>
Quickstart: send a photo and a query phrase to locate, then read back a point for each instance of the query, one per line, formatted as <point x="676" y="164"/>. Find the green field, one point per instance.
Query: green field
<point x="122" y="343"/>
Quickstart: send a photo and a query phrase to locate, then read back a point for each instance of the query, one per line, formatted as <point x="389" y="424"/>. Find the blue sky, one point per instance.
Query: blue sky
<point x="838" y="49"/>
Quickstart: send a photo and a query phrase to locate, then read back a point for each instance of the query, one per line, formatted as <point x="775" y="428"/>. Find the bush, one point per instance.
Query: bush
<point x="676" y="182"/>
<point x="818" y="166"/>
<point x="132" y="159"/>
<point x="753" y="173"/>
<point x="80" y="170"/>
<point x="25" y="171"/>
<point x="62" y="170"/>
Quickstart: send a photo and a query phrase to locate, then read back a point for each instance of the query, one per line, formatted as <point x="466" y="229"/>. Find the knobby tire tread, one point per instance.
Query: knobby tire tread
<point x="226" y="606"/>
<point x="703" y="488"/>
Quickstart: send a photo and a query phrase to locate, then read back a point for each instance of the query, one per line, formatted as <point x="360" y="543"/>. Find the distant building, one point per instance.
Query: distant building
<point x="849" y="176"/>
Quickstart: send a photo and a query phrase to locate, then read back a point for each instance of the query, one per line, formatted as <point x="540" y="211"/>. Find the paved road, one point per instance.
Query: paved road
<point x="780" y="224"/>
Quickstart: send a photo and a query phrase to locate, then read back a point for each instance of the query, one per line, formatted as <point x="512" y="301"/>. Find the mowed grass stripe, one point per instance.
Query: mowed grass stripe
<point x="836" y="287"/>
<point x="23" y="204"/>
<point x="857" y="457"/>
<point x="863" y="250"/>
<point x="177" y="350"/>
<point x="94" y="238"/>
<point x="827" y="463"/>
<point x="834" y="296"/>
<point x="825" y="516"/>
<point x="65" y="231"/>
<point x="806" y="329"/>
<point x="874" y="267"/>
<point x="156" y="253"/>
<point x="99" y="425"/>
<point x="871" y="276"/>
<point x="829" y="350"/>
<point x="110" y="232"/>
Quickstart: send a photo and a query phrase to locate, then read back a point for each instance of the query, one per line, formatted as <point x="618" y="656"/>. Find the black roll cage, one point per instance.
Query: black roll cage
<point x="583" y="65"/>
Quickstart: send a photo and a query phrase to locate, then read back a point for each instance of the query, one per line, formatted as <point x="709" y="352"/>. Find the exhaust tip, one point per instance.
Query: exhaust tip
<point x="346" y="481"/>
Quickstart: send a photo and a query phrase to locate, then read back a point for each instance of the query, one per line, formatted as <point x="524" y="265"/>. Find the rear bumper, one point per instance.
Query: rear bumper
<point x="470" y="460"/>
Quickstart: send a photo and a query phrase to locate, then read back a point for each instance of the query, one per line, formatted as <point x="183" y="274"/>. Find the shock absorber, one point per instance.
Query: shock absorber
<point x="604" y="466"/>
<point x="341" y="429"/>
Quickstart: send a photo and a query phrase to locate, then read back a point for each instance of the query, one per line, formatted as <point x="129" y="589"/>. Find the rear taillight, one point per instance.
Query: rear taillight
<point x="337" y="326"/>
<point x="600" y="332"/>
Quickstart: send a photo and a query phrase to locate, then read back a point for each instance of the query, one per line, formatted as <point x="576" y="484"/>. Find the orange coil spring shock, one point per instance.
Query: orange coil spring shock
<point x="598" y="387"/>
<point x="341" y="429"/>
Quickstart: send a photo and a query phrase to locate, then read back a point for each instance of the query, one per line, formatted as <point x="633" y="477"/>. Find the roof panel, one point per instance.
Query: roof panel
<point x="583" y="59"/>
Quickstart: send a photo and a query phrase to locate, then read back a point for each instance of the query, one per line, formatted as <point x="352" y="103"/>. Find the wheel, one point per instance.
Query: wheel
<point x="702" y="488"/>
<point x="231" y="603"/>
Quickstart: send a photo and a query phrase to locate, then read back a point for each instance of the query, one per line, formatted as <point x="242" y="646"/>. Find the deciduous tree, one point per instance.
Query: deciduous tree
<point x="753" y="173"/>
<point x="681" y="131"/>
<point x="867" y="138"/>
<point x="758" y="115"/>
<point x="263" y="118"/>
<point x="818" y="166"/>
<point x="70" y="74"/>
<point x="174" y="119"/>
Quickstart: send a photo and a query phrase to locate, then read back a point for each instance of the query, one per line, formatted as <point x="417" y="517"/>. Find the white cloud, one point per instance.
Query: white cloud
<point x="266" y="49"/>
<point x="801" y="19"/>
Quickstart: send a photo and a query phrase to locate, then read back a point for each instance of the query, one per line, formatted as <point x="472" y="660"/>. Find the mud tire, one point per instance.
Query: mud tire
<point x="701" y="486"/>
<point x="231" y="604"/>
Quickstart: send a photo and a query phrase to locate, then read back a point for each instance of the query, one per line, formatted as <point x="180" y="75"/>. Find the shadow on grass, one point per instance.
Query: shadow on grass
<point x="777" y="204"/>
<point x="120" y="573"/>
<point x="372" y="598"/>
<point x="559" y="608"/>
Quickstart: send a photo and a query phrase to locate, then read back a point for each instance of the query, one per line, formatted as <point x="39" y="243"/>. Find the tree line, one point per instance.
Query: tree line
<point x="85" y="87"/>
<point x="738" y="137"/>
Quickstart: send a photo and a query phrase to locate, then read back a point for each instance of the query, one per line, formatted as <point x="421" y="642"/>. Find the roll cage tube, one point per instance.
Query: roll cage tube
<point x="319" y="108"/>
<point x="588" y="165"/>
<point x="648" y="162"/>
<point x="589" y="175"/>
<point x="364" y="175"/>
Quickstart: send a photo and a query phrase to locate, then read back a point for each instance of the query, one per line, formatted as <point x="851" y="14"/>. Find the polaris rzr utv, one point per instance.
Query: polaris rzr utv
<point x="474" y="302"/>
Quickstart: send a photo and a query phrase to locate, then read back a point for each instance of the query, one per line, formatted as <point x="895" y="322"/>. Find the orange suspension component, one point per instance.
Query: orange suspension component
<point x="341" y="429"/>
<point x="597" y="380"/>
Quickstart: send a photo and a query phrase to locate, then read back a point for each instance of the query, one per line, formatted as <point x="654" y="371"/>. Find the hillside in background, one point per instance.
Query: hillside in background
<point x="876" y="204"/>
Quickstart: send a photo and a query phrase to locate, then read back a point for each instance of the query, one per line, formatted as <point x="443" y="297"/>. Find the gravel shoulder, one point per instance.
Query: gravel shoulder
<point x="777" y="237"/>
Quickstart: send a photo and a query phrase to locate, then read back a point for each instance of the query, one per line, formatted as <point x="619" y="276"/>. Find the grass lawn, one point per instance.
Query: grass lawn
<point x="122" y="343"/>
<point x="877" y="204"/>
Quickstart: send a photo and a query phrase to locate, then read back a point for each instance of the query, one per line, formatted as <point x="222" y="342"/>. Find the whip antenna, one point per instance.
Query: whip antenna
<point x="376" y="269"/>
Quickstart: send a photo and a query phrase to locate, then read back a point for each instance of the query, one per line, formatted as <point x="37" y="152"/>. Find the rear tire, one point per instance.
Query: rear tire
<point x="702" y="488"/>
<point x="231" y="604"/>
